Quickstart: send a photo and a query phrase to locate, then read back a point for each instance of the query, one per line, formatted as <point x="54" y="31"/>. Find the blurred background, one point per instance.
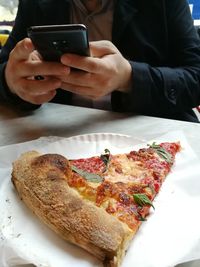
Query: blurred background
<point x="195" y="9"/>
<point x="8" y="9"/>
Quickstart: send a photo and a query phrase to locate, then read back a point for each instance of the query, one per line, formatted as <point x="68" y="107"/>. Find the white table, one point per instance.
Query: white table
<point x="64" y="120"/>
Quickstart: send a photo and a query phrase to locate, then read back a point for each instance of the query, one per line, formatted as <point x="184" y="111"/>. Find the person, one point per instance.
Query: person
<point x="145" y="58"/>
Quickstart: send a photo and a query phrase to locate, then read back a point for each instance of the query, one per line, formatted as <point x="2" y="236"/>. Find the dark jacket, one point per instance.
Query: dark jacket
<point x="157" y="37"/>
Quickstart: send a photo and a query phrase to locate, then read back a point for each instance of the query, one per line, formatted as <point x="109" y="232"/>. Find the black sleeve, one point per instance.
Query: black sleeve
<point x="18" y="33"/>
<point x="175" y="86"/>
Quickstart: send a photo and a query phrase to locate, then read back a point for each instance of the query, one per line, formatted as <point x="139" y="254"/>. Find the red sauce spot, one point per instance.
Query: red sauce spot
<point x="172" y="148"/>
<point x="93" y="164"/>
<point x="157" y="186"/>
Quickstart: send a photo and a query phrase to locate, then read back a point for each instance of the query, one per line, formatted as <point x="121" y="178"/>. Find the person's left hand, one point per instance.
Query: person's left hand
<point x="96" y="76"/>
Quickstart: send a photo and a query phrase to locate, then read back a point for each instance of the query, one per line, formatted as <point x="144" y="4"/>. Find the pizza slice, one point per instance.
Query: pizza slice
<point x="97" y="203"/>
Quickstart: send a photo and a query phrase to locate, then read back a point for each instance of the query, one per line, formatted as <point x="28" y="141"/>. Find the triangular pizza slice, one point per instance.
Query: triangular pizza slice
<point x="97" y="203"/>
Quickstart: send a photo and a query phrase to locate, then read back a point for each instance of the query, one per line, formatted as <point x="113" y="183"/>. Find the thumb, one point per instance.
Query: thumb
<point x="23" y="49"/>
<point x="102" y="48"/>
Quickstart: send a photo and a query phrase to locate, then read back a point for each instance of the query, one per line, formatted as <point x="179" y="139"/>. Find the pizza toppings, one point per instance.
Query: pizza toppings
<point x="124" y="184"/>
<point x="106" y="158"/>
<point x="162" y="152"/>
<point x="142" y="200"/>
<point x="90" y="177"/>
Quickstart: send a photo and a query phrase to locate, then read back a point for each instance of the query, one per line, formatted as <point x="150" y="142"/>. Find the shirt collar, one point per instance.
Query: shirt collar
<point x="81" y="6"/>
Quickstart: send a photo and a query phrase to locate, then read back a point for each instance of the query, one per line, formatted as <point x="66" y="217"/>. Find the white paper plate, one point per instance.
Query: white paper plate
<point x="24" y="239"/>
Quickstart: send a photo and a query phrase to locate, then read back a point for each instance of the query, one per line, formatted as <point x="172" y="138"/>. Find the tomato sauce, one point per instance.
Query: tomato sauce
<point x="118" y="197"/>
<point x="92" y="165"/>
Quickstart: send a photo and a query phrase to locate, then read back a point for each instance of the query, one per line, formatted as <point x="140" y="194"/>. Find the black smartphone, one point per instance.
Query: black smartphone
<point x="52" y="41"/>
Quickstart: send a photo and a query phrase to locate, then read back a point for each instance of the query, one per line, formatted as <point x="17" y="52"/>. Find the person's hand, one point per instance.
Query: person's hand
<point x="105" y="71"/>
<point x="23" y="65"/>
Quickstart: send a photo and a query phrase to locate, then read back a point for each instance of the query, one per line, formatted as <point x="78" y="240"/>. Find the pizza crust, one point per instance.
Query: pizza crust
<point x="41" y="182"/>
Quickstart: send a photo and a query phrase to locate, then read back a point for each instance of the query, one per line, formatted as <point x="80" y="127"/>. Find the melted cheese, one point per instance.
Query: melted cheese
<point x="125" y="170"/>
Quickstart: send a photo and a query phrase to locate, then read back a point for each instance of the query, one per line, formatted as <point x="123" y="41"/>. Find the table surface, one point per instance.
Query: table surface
<point x="63" y="120"/>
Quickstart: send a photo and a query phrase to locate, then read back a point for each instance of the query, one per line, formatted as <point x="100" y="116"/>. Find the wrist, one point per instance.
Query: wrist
<point x="126" y="85"/>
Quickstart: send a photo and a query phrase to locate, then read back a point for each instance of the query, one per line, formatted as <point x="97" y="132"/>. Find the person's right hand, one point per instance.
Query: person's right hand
<point x="23" y="65"/>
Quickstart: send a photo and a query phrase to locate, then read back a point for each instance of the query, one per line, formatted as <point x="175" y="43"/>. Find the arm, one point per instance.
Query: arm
<point x="174" y="84"/>
<point x="164" y="75"/>
<point x="20" y="63"/>
<point x="17" y="34"/>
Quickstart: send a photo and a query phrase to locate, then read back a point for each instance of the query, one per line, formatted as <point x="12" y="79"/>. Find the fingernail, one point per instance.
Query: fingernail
<point x="65" y="60"/>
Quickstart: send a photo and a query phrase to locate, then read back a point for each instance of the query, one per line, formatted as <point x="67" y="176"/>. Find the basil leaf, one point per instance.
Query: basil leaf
<point x="140" y="218"/>
<point x="162" y="152"/>
<point x="91" y="177"/>
<point x="142" y="200"/>
<point x="106" y="158"/>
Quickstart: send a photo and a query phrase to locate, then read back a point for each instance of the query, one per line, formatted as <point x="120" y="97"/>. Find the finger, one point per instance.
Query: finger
<point x="35" y="55"/>
<point x="102" y="48"/>
<point x="94" y="64"/>
<point x="22" y="50"/>
<point x="79" y="78"/>
<point x="38" y="100"/>
<point x="35" y="88"/>
<point x="43" y="68"/>
<point x="82" y="90"/>
<point x="86" y="64"/>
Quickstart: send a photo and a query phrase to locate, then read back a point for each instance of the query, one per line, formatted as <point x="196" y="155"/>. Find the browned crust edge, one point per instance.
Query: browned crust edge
<point x="41" y="182"/>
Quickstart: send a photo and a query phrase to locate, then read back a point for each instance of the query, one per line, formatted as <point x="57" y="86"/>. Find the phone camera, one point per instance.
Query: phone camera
<point x="60" y="45"/>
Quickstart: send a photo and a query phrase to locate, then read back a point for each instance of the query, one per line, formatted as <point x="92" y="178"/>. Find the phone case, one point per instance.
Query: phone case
<point x="52" y="41"/>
